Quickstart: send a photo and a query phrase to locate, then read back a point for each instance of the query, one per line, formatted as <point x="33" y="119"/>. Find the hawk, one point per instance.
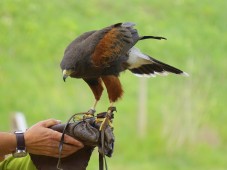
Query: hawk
<point x="100" y="56"/>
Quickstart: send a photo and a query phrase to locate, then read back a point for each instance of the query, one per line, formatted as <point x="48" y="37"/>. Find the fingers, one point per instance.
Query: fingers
<point x="72" y="141"/>
<point x="49" y="122"/>
<point x="67" y="139"/>
<point x="42" y="140"/>
<point x="52" y="149"/>
<point x="68" y="150"/>
<point x="70" y="145"/>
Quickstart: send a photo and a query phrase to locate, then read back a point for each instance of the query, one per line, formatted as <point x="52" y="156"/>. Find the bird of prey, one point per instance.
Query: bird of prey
<point x="100" y="56"/>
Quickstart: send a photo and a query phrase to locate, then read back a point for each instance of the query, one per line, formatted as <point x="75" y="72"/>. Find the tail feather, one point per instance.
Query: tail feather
<point x="152" y="37"/>
<point x="145" y="70"/>
<point x="167" y="67"/>
<point x="156" y="69"/>
<point x="144" y="65"/>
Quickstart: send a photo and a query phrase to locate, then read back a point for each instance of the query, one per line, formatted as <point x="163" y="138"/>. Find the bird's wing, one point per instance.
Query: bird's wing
<point x="78" y="40"/>
<point x="116" y="42"/>
<point x="73" y="51"/>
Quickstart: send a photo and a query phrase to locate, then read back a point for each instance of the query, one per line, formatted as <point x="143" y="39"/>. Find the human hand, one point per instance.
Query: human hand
<point x="41" y="140"/>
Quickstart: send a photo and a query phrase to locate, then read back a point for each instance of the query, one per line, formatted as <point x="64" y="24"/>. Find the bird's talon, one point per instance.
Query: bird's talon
<point x="112" y="109"/>
<point x="107" y="120"/>
<point x="91" y="111"/>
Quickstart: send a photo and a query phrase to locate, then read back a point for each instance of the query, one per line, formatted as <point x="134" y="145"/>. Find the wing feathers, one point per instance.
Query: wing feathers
<point x="115" y="43"/>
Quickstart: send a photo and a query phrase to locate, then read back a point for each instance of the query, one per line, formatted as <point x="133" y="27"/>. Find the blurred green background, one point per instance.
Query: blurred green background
<point x="186" y="122"/>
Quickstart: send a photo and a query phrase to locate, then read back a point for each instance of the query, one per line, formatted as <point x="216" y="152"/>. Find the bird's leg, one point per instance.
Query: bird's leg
<point x="96" y="86"/>
<point x="111" y="106"/>
<point x="92" y="109"/>
<point x="94" y="106"/>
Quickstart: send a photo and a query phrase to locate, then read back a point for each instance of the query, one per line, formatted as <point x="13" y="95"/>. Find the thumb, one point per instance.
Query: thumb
<point x="49" y="122"/>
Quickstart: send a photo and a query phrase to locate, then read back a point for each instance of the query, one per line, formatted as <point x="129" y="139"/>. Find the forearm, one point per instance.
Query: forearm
<point x="7" y="143"/>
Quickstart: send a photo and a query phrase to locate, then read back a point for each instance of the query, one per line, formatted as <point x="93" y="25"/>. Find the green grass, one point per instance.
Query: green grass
<point x="187" y="120"/>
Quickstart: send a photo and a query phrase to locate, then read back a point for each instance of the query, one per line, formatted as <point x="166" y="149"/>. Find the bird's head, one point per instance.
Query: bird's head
<point x="66" y="73"/>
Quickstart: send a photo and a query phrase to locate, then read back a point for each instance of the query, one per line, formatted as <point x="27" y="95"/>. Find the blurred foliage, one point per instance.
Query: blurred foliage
<point x="186" y="121"/>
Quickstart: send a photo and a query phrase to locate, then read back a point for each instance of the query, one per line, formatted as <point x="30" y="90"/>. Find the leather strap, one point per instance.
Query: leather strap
<point x="20" y="140"/>
<point x="102" y="155"/>
<point x="100" y="161"/>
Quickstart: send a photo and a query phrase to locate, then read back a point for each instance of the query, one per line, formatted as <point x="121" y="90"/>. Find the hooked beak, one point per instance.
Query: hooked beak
<point x="64" y="77"/>
<point x="66" y="73"/>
